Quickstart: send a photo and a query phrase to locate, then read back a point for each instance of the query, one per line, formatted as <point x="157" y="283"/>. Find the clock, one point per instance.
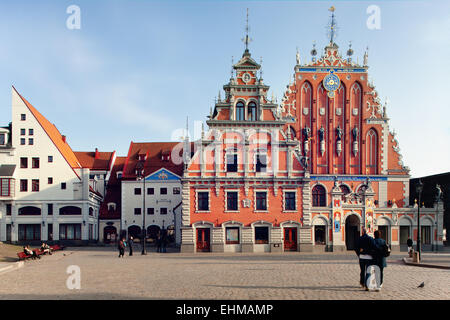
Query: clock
<point x="331" y="83"/>
<point x="246" y="77"/>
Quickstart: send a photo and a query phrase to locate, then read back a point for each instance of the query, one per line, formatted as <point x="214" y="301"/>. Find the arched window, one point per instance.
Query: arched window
<point x="319" y="196"/>
<point x="251" y="111"/>
<point x="240" y="111"/>
<point x="306" y="98"/>
<point x="356" y="97"/>
<point x="371" y="152"/>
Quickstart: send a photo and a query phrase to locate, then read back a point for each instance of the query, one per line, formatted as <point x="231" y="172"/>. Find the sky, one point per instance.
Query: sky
<point x="134" y="70"/>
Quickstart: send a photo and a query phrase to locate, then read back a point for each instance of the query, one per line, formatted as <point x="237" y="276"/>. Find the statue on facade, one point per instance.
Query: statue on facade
<point x="439" y="193"/>
<point x="339" y="133"/>
<point x="306" y="133"/>
<point x="355" y="133"/>
<point x="321" y="134"/>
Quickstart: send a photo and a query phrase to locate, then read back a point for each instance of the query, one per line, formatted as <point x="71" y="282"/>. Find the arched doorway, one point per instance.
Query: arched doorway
<point x="171" y="233"/>
<point x="109" y="234"/>
<point x="351" y="231"/>
<point x="152" y="232"/>
<point x="135" y="232"/>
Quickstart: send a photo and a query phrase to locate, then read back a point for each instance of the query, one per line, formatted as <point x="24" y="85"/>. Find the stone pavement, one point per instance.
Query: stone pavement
<point x="287" y="276"/>
<point x="431" y="260"/>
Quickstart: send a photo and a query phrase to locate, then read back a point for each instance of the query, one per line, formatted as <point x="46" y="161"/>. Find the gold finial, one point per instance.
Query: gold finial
<point x="332" y="8"/>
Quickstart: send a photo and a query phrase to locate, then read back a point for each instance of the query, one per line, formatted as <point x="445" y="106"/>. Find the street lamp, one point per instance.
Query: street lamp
<point x="419" y="188"/>
<point x="141" y="176"/>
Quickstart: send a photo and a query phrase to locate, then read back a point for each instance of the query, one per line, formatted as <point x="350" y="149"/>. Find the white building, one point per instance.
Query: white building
<point x="48" y="192"/>
<point x="156" y="200"/>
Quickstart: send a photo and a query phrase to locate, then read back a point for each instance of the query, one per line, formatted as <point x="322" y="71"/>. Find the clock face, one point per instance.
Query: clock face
<point x="246" y="77"/>
<point x="331" y="82"/>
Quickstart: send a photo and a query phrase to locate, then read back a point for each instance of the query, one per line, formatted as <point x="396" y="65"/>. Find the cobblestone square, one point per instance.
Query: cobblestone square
<point x="287" y="276"/>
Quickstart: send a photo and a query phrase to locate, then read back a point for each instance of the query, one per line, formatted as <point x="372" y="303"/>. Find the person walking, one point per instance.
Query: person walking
<point x="121" y="247"/>
<point x="365" y="248"/>
<point x="130" y="244"/>
<point x="380" y="259"/>
<point x="158" y="241"/>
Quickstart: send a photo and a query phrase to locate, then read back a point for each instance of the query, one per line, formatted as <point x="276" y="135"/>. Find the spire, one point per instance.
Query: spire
<point x="247" y="39"/>
<point x="332" y="26"/>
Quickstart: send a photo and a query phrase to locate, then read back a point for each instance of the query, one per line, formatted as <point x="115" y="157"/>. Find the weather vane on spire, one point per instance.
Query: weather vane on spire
<point x="332" y="26"/>
<point x="247" y="39"/>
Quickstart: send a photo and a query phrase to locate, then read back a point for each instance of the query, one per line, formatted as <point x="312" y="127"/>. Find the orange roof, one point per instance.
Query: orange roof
<point x="95" y="160"/>
<point x="54" y="135"/>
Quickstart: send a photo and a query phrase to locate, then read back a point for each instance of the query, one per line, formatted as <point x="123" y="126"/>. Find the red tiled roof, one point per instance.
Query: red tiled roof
<point x="54" y="135"/>
<point x="154" y="162"/>
<point x="95" y="160"/>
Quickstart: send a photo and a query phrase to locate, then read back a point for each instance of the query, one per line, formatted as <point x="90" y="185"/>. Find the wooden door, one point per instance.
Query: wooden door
<point x="203" y="237"/>
<point x="290" y="239"/>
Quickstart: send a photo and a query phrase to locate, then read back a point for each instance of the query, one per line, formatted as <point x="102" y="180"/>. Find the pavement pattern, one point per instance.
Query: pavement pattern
<point x="287" y="276"/>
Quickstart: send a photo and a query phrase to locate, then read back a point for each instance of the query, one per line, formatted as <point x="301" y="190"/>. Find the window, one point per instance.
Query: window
<point x="203" y="201"/>
<point x="70" y="211"/>
<point x="371" y="152"/>
<point x="91" y="211"/>
<point x="63" y="185"/>
<point x="7" y="187"/>
<point x="50" y="209"/>
<point x="425" y="234"/>
<point x="50" y="159"/>
<point x="22" y="132"/>
<point x="261" y="200"/>
<point x="232" y="201"/>
<point x="137" y="190"/>
<point x="163" y="211"/>
<point x="70" y="231"/>
<point x="30" y="132"/>
<point x="35" y="185"/>
<point x="137" y="211"/>
<point x="23" y="185"/>
<point x="29" y="211"/>
<point x="50" y="180"/>
<point x="8" y="209"/>
<point x="150" y="210"/>
<point x="261" y="235"/>
<point x="176" y="190"/>
<point x="35" y="163"/>
<point x="30" y="141"/>
<point x="232" y="235"/>
<point x="318" y="195"/>
<point x="2" y="139"/>
<point x="319" y="234"/>
<point x="252" y="111"/>
<point x="261" y="163"/>
<point x="232" y="160"/>
<point x="22" y="141"/>
<point x="150" y="191"/>
<point x="240" y="111"/>
<point x="29" y="232"/>
<point x="289" y="200"/>
<point x="23" y="117"/>
<point x="163" y="191"/>
<point x="24" y="163"/>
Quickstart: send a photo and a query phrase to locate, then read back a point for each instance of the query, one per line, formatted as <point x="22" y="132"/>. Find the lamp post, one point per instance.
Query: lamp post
<point x="141" y="176"/>
<point x="419" y="188"/>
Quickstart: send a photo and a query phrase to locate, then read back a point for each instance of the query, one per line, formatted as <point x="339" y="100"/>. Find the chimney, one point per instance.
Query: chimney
<point x="64" y="139"/>
<point x="96" y="153"/>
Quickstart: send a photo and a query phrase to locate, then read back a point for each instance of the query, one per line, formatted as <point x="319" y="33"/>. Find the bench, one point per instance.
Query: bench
<point x="23" y="256"/>
<point x="57" y="247"/>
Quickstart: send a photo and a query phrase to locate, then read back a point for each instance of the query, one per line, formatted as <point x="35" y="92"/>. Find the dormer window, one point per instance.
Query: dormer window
<point x="142" y="157"/>
<point x="240" y="111"/>
<point x="119" y="175"/>
<point x="111" y="206"/>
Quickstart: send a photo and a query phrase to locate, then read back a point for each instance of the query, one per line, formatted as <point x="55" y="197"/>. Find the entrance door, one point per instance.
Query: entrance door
<point x="203" y="240"/>
<point x="384" y="233"/>
<point x="290" y="239"/>
<point x="351" y="232"/>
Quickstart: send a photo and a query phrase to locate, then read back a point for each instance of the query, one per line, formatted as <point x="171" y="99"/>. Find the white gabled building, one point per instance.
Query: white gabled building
<point x="51" y="195"/>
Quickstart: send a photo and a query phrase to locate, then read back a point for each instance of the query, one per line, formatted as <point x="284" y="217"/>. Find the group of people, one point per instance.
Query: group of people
<point x="370" y="252"/>
<point x="162" y="240"/>
<point x="44" y="248"/>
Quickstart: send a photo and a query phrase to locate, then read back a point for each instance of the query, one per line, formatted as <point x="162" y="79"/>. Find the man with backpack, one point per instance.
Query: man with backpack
<point x="383" y="251"/>
<point x="365" y="249"/>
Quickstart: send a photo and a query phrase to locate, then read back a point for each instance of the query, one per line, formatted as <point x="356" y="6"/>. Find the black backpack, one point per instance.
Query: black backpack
<point x="385" y="250"/>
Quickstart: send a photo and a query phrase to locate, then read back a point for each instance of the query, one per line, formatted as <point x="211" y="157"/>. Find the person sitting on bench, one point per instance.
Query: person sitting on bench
<point x="45" y="248"/>
<point x="30" y="252"/>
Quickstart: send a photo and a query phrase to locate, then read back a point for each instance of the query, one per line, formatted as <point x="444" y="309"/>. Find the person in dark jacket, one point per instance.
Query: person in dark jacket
<point x="130" y="243"/>
<point x="163" y="240"/>
<point x="365" y="248"/>
<point x="409" y="243"/>
<point x="158" y="241"/>
<point x="380" y="260"/>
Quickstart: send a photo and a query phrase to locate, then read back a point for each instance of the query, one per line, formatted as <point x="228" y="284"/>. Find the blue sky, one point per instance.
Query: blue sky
<point x="136" y="69"/>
